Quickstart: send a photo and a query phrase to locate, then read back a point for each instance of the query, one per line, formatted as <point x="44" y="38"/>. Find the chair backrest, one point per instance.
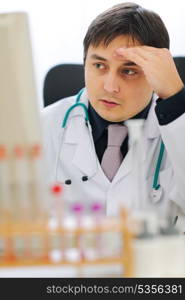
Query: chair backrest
<point x="62" y="81"/>
<point x="180" y="64"/>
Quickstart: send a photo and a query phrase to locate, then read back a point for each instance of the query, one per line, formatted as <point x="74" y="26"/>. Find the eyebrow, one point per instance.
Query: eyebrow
<point x="128" y="63"/>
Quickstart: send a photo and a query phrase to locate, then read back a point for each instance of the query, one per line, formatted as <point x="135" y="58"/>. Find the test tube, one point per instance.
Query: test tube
<point x="7" y="251"/>
<point x="72" y="238"/>
<point x="146" y="244"/>
<point x="19" y="185"/>
<point x="20" y="203"/>
<point x="38" y="217"/>
<point x="172" y="241"/>
<point x="93" y="240"/>
<point x="4" y="186"/>
<point x="56" y="240"/>
<point x="57" y="203"/>
<point x="110" y="241"/>
<point x="39" y="203"/>
<point x="135" y="130"/>
<point x="77" y="209"/>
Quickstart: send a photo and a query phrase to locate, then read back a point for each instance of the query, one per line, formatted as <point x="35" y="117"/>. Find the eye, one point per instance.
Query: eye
<point x="99" y="66"/>
<point x="129" y="72"/>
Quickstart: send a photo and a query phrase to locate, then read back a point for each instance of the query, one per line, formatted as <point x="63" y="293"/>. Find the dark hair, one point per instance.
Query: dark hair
<point x="127" y="19"/>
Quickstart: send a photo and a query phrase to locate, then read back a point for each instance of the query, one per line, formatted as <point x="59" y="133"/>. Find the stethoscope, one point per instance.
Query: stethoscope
<point x="157" y="191"/>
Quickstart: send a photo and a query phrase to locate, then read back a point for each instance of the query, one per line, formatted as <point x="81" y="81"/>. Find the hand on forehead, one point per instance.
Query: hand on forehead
<point x="140" y="54"/>
<point x="158" y="66"/>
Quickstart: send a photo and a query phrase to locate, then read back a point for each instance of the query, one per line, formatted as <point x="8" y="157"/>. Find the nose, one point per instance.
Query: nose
<point x="111" y="83"/>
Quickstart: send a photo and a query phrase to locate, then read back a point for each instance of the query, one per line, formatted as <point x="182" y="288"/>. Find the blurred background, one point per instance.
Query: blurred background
<point x="58" y="28"/>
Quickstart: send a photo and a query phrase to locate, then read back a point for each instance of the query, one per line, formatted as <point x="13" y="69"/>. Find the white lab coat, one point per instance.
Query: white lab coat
<point x="73" y="156"/>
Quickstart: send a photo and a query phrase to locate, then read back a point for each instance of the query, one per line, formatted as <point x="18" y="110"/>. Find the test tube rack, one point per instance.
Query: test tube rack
<point x="31" y="245"/>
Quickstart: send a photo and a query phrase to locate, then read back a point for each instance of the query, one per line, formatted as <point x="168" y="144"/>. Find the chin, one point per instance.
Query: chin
<point x="111" y="118"/>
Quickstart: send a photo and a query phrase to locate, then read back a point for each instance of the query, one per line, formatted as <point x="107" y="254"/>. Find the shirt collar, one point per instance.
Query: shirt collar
<point x="99" y="124"/>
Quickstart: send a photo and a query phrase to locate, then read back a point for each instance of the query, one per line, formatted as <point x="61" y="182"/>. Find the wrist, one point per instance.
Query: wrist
<point x="172" y="91"/>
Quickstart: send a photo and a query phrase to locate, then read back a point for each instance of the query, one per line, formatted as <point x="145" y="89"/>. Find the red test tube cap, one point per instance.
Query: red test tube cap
<point x="57" y="189"/>
<point x="3" y="152"/>
<point x="19" y="151"/>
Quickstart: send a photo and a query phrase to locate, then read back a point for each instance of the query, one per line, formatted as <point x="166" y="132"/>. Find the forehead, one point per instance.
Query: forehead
<point x="118" y="42"/>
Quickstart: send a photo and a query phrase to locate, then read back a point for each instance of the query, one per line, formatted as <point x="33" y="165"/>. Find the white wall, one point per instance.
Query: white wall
<point x="58" y="27"/>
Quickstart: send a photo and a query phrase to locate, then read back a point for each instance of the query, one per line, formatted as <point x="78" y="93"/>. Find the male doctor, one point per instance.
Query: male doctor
<point x="129" y="73"/>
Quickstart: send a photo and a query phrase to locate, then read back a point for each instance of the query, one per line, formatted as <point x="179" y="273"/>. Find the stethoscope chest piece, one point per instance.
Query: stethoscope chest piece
<point x="156" y="194"/>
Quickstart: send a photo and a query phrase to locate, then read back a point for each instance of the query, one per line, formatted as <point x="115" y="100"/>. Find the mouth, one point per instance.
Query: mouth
<point x="109" y="103"/>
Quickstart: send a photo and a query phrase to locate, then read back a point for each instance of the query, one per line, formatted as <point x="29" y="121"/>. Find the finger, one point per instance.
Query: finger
<point x="126" y="53"/>
<point x="145" y="53"/>
<point x="151" y="49"/>
<point x="155" y="50"/>
<point x="158" y="52"/>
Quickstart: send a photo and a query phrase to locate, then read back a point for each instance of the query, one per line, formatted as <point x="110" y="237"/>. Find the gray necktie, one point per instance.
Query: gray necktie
<point x="112" y="156"/>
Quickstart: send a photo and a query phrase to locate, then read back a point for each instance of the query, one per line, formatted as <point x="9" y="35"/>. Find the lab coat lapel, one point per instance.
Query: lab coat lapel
<point x="85" y="158"/>
<point x="126" y="166"/>
<point x="79" y="134"/>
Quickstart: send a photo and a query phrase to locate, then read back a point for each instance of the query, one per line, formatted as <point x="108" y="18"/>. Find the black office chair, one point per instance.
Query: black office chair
<point x="62" y="81"/>
<point x="180" y="64"/>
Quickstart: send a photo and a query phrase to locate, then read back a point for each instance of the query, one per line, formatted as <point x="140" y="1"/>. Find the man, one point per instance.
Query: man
<point x="127" y="66"/>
